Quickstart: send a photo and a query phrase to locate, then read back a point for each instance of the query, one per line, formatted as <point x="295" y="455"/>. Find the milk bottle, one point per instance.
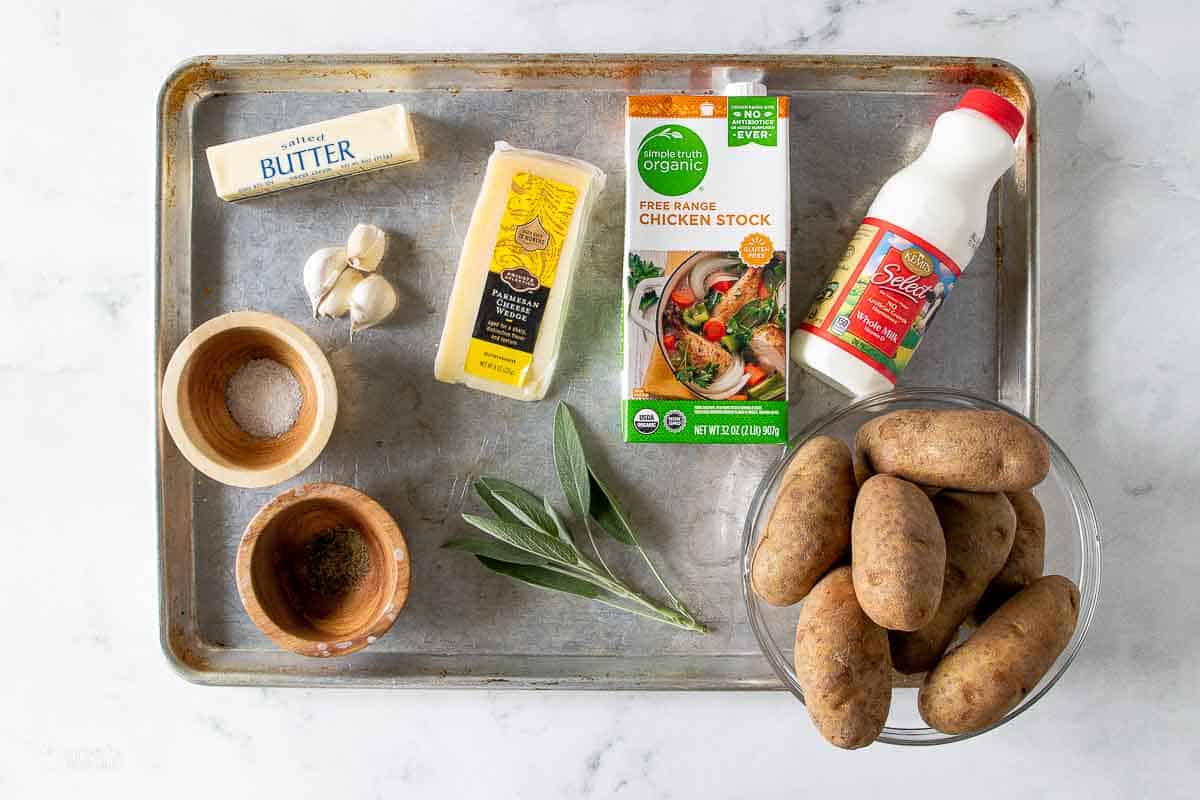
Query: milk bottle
<point x="902" y="263"/>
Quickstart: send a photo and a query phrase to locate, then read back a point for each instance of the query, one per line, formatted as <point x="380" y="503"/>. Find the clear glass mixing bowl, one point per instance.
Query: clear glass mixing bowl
<point x="1072" y="549"/>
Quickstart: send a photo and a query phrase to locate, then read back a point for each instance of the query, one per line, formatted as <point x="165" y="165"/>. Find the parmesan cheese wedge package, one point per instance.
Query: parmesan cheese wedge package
<point x="511" y="293"/>
<point x="706" y="268"/>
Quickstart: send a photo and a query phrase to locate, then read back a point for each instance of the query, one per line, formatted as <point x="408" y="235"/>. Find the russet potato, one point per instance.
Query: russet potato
<point x="897" y="553"/>
<point x="979" y="534"/>
<point x="975" y="685"/>
<point x="842" y="664"/>
<point x="969" y="449"/>
<point x="808" y="530"/>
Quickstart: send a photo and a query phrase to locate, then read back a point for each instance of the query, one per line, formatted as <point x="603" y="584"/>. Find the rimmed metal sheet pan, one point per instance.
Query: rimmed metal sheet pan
<point x="415" y="444"/>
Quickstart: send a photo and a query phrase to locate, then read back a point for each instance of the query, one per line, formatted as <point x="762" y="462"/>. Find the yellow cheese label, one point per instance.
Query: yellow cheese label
<point x="537" y="215"/>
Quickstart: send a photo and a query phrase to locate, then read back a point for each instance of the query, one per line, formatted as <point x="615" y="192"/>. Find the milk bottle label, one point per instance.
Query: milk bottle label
<point x="882" y="296"/>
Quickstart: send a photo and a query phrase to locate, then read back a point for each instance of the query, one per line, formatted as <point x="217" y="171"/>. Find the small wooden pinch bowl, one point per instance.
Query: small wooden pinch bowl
<point x="270" y="563"/>
<point x="194" y="409"/>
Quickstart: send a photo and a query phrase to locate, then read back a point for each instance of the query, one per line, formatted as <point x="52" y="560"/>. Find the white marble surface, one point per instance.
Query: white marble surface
<point x="87" y="703"/>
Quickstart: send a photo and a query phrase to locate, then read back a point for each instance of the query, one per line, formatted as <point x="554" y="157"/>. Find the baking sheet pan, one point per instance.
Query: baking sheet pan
<point x="415" y="444"/>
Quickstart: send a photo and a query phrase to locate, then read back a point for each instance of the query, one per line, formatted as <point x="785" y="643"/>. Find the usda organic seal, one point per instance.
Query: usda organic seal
<point x="646" y="421"/>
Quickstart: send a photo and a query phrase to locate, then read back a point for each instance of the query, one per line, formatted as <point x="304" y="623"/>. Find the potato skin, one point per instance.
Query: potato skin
<point x="808" y="530"/>
<point x="970" y="449"/>
<point x="842" y="664"/>
<point x="862" y="471"/>
<point x="979" y="531"/>
<point x="981" y="681"/>
<point x="1027" y="559"/>
<point x="898" y="553"/>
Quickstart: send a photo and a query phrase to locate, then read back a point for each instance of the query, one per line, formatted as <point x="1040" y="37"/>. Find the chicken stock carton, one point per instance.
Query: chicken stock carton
<point x="706" y="269"/>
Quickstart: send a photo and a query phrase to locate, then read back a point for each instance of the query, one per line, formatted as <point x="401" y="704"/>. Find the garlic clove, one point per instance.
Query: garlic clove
<point x="371" y="302"/>
<point x="365" y="247"/>
<point x="337" y="300"/>
<point x="321" y="271"/>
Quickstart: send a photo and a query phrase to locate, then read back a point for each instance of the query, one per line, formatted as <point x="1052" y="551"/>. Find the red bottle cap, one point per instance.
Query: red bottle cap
<point x="996" y="108"/>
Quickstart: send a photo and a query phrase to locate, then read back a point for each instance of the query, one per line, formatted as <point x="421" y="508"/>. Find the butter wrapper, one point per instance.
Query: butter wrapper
<point x="368" y="140"/>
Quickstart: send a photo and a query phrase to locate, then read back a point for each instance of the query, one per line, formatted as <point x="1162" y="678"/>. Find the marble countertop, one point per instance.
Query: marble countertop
<point x="87" y="701"/>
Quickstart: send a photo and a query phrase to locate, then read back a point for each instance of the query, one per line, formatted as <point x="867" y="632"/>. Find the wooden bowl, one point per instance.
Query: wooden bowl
<point x="193" y="399"/>
<point x="270" y="564"/>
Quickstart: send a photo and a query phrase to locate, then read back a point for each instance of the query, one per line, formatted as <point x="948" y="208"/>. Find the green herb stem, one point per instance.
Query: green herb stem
<point x="687" y="624"/>
<point x="531" y="543"/>
<point x="675" y="616"/>
<point x="587" y="526"/>
<point x="586" y="570"/>
<point x="674" y="600"/>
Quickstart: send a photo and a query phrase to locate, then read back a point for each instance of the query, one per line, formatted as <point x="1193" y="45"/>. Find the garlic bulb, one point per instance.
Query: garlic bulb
<point x="342" y="279"/>
<point x="321" y="271"/>
<point x="371" y="302"/>
<point x="337" y="300"/>
<point x="365" y="247"/>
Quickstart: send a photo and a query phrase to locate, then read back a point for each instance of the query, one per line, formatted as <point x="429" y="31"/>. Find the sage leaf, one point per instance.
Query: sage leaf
<point x="515" y="504"/>
<point x="498" y="508"/>
<point x="493" y="549"/>
<point x="533" y="544"/>
<point x="570" y="461"/>
<point x="559" y="526"/>
<point x="608" y="514"/>
<point x="528" y="539"/>
<point x="542" y="577"/>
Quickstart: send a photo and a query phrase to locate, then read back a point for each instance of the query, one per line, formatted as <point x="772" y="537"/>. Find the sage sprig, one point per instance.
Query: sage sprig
<point x="532" y="543"/>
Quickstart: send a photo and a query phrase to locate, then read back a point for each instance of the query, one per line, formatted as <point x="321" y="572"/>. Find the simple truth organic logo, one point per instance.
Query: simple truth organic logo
<point x="672" y="160"/>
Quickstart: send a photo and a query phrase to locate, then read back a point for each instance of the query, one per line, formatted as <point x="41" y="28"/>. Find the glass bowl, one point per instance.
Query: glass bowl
<point x="1072" y="549"/>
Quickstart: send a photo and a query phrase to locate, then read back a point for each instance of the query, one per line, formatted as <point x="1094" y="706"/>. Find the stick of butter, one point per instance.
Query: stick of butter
<point x="368" y="140"/>
<point x="510" y="296"/>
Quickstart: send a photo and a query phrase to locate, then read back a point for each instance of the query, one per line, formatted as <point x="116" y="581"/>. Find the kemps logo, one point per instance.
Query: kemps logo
<point x="917" y="262"/>
<point x="672" y="160"/>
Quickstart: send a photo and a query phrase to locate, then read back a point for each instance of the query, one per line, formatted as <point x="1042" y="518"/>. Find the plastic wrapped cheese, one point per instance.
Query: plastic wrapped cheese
<point x="510" y="297"/>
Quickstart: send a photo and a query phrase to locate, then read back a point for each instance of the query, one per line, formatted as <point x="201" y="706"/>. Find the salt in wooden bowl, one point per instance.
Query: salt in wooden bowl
<point x="198" y="419"/>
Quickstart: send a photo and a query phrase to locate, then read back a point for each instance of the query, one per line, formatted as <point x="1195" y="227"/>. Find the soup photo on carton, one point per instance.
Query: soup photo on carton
<point x="706" y="268"/>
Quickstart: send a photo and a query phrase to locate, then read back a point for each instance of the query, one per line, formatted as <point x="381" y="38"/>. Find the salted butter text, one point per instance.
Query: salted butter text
<point x="310" y="158"/>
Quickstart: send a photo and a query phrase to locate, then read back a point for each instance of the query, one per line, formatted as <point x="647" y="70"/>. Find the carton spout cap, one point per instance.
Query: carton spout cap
<point x="745" y="89"/>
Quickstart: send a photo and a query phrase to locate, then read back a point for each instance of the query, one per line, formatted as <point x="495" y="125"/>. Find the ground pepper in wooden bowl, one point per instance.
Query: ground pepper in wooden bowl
<point x="323" y="570"/>
<point x="336" y="561"/>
